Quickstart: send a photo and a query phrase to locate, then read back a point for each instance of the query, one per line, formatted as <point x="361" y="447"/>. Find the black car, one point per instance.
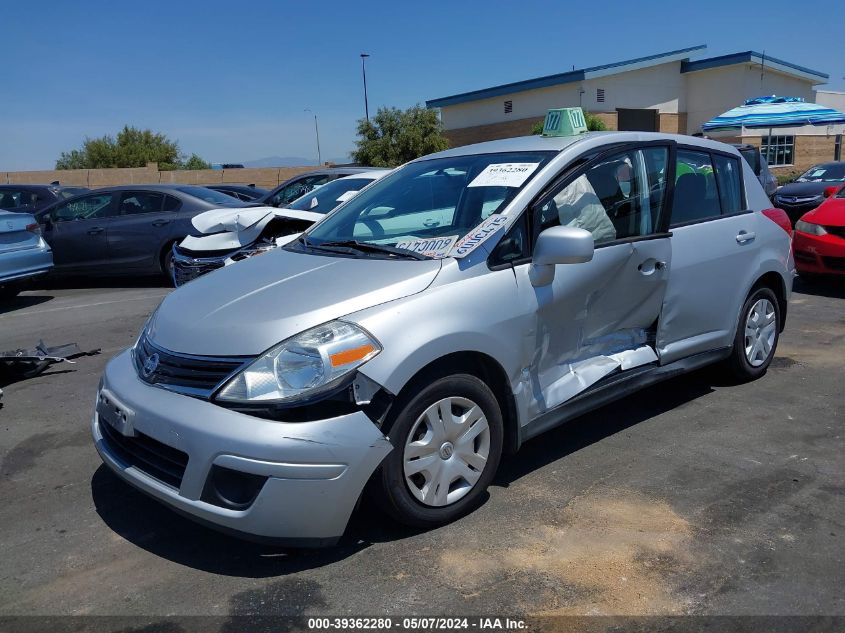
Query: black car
<point x="247" y="193"/>
<point x="129" y="229"/>
<point x="33" y="198"/>
<point x="807" y="191"/>
<point x="301" y="184"/>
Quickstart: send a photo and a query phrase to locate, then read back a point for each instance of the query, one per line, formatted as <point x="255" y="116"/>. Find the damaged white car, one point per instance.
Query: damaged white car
<point x="230" y="235"/>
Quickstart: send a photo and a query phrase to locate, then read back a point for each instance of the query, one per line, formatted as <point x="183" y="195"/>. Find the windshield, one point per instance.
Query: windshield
<point x="824" y="173"/>
<point x="69" y="192"/>
<point x="326" y="197"/>
<point x="212" y="196"/>
<point x="438" y="198"/>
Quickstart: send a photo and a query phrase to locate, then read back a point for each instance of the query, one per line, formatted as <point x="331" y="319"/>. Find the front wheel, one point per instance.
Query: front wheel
<point x="756" y="337"/>
<point x="447" y="442"/>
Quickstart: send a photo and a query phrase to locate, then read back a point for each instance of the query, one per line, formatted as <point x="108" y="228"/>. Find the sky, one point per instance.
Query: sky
<point x="231" y="80"/>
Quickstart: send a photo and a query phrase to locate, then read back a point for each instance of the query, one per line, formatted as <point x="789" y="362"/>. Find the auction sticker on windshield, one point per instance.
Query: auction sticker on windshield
<point x="478" y="235"/>
<point x="504" y="175"/>
<point x="434" y="247"/>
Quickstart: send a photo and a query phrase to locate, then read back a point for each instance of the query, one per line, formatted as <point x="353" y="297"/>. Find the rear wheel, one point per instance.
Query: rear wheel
<point x="447" y="442"/>
<point x="757" y="335"/>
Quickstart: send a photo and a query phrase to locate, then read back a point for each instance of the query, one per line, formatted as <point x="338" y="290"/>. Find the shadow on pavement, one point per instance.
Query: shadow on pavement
<point x="24" y="301"/>
<point x="831" y="287"/>
<point x="153" y="527"/>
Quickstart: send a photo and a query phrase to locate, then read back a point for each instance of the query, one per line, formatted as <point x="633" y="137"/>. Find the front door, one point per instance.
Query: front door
<point x="77" y="231"/>
<point x="599" y="317"/>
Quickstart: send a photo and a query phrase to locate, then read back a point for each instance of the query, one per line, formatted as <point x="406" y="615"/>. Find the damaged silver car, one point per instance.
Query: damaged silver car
<point x="463" y="304"/>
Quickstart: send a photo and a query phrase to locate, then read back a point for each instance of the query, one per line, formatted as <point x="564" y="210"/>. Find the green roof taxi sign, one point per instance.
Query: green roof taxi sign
<point x="564" y="122"/>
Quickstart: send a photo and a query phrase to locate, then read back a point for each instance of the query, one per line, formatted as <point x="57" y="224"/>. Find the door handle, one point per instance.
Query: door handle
<point x="96" y="230"/>
<point x="431" y="223"/>
<point x="744" y="236"/>
<point x="161" y="222"/>
<point x="650" y="266"/>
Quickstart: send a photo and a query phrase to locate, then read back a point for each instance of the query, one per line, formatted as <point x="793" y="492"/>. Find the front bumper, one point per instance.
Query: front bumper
<point x="796" y="209"/>
<point x="315" y="471"/>
<point x="819" y="254"/>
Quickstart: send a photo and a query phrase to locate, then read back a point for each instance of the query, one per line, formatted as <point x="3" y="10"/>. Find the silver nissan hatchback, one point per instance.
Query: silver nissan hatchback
<point x="463" y="304"/>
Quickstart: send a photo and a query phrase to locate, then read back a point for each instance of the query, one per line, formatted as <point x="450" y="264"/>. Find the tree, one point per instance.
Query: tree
<point x="594" y="124"/>
<point x="131" y="148"/>
<point x="195" y="162"/>
<point x="395" y="136"/>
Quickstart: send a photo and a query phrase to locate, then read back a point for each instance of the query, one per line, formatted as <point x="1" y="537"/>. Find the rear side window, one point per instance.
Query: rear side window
<point x="14" y="198"/>
<point x="696" y="193"/>
<point x="727" y="177"/>
<point x="171" y="203"/>
<point x="137" y="202"/>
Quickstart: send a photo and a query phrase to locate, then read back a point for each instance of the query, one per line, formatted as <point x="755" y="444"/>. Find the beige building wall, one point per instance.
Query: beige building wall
<point x="711" y="92"/>
<point x="831" y="99"/>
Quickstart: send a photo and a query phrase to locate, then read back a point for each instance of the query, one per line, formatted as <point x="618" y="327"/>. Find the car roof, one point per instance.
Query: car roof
<point x="41" y="184"/>
<point x="538" y="143"/>
<point x="169" y="187"/>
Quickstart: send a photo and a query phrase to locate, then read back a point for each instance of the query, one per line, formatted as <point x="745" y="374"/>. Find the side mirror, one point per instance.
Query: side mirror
<point x="559" y="245"/>
<point x="830" y="191"/>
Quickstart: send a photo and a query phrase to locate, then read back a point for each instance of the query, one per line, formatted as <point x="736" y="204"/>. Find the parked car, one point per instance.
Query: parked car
<point x="23" y="252"/>
<point x="33" y="198"/>
<point x="129" y="229"/>
<point x="807" y="192"/>
<point x="231" y="235"/>
<point x="246" y="193"/>
<point x="758" y="163"/>
<point x="819" y="240"/>
<point x="468" y="301"/>
<point x="301" y="184"/>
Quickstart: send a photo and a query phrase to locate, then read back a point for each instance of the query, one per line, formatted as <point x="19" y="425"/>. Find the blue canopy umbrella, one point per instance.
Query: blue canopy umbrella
<point x="769" y="112"/>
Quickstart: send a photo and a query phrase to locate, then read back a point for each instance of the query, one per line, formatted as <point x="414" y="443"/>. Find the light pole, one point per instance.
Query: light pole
<point x="364" y="57"/>
<point x="317" y="132"/>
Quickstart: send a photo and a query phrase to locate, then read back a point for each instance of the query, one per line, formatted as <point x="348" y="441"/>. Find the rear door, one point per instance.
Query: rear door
<point x="599" y="317"/>
<point x="140" y="231"/>
<point x="77" y="230"/>
<point x="713" y="248"/>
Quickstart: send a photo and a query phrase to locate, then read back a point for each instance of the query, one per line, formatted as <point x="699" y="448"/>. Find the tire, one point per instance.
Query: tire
<point x="419" y="498"/>
<point x="751" y="356"/>
<point x="167" y="263"/>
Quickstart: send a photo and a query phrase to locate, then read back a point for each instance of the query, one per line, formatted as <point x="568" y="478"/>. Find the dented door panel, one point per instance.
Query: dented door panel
<point x="592" y="320"/>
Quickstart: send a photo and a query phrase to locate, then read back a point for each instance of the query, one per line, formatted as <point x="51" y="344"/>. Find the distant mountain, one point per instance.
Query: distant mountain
<point x="288" y="161"/>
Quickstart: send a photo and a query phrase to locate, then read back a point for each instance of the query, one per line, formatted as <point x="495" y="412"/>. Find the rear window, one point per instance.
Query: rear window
<point x="706" y="187"/>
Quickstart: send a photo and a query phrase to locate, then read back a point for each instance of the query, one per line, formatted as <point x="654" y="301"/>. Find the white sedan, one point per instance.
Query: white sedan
<point x="230" y="235"/>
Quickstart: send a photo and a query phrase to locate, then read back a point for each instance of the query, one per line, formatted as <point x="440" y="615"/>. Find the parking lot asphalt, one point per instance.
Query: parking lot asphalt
<point x="694" y="496"/>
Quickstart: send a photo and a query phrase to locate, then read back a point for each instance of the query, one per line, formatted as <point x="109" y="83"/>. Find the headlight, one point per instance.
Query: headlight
<point x="809" y="227"/>
<point x="313" y="361"/>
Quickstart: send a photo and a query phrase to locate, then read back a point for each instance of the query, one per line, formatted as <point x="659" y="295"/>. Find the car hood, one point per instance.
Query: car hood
<point x="228" y="229"/>
<point x="830" y="213"/>
<point x="804" y="189"/>
<point x="248" y="307"/>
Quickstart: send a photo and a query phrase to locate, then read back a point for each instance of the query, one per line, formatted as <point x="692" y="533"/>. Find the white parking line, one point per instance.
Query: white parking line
<point x="84" y="305"/>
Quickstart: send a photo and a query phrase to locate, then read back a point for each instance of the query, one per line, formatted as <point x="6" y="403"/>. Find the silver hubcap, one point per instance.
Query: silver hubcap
<point x="446" y="451"/>
<point x="760" y="329"/>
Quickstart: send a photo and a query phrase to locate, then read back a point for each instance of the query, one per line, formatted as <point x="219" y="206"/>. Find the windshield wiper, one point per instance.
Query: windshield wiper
<point x="367" y="247"/>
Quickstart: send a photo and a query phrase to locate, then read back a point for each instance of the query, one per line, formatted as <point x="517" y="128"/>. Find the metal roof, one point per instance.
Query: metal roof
<point x="681" y="55"/>
<point x="568" y="77"/>
<point x="754" y="58"/>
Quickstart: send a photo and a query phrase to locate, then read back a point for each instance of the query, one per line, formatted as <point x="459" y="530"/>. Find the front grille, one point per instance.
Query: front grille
<point x="150" y="456"/>
<point x="186" y="268"/>
<point x="834" y="263"/>
<point x="807" y="258"/>
<point x="191" y="375"/>
<point x="838" y="231"/>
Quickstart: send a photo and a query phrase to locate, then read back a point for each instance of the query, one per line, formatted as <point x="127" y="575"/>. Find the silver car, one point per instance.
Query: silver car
<point x="23" y="252"/>
<point x="465" y="303"/>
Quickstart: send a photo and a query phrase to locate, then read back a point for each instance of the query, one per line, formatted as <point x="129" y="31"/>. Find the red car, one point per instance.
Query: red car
<point x="819" y="240"/>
